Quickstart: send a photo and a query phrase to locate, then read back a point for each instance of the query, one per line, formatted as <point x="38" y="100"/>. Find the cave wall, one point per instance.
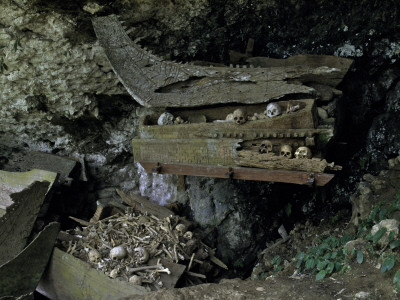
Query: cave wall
<point x="59" y="95"/>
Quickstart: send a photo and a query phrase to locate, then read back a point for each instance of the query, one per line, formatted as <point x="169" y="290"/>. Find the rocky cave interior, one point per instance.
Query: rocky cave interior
<point x="59" y="95"/>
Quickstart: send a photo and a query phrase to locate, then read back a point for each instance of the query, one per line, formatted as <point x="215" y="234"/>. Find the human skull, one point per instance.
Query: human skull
<point x="181" y="228"/>
<point x="265" y="147"/>
<point x="303" y="152"/>
<point x="286" y="151"/>
<point x="142" y="254"/>
<point x="179" y="120"/>
<point x="229" y="117"/>
<point x="135" y="279"/>
<point x="273" y="110"/>
<point x="165" y="119"/>
<point x="94" y="256"/>
<point x="239" y="116"/>
<point x="118" y="252"/>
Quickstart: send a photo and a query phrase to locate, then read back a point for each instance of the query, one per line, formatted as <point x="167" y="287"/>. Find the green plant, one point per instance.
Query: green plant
<point x="329" y="255"/>
<point x="326" y="257"/>
<point x="277" y="263"/>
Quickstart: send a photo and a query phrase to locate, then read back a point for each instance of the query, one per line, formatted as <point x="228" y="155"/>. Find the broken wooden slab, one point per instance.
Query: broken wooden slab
<point x="42" y="161"/>
<point x="271" y="161"/>
<point x="169" y="280"/>
<point x="154" y="82"/>
<point x="191" y="151"/>
<point x="69" y="278"/>
<point x="295" y="177"/>
<point x="144" y="205"/>
<point x="21" y="275"/>
<point x="21" y="208"/>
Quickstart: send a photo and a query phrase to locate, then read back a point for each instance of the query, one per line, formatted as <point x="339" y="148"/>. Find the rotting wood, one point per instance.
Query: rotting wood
<point x="143" y="204"/>
<point x="195" y="151"/>
<point x="17" y="222"/>
<point x="154" y="82"/>
<point x="271" y="161"/>
<point x="242" y="173"/>
<point x="22" y="274"/>
<point x="70" y="278"/>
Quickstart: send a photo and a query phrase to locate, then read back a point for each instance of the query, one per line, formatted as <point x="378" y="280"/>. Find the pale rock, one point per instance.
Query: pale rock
<point x="322" y="113"/>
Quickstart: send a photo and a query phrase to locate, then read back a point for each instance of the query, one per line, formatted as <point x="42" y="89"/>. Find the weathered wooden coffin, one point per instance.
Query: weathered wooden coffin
<point x="191" y="91"/>
<point x="221" y="145"/>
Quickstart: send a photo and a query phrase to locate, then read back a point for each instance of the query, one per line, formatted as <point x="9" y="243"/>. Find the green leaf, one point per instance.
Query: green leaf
<point x="394" y="244"/>
<point x="321" y="275"/>
<point x="300" y="256"/>
<point x="346" y="238"/>
<point x="382" y="214"/>
<point x="310" y="264"/>
<point x="391" y="236"/>
<point x="388" y="264"/>
<point x="396" y="277"/>
<point x="377" y="236"/>
<point x="321" y="265"/>
<point x="360" y="257"/>
<point x="334" y="254"/>
<point x="398" y="285"/>
<point x="330" y="267"/>
<point x="276" y="259"/>
<point x="338" y="266"/>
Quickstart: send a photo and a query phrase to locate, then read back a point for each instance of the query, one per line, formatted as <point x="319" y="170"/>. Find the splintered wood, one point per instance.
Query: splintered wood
<point x="140" y="247"/>
<point x="271" y="161"/>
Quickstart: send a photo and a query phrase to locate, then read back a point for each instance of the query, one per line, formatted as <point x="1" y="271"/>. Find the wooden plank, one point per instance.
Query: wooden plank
<point x="295" y="177"/>
<point x="169" y="280"/>
<point x="143" y="204"/>
<point x="22" y="274"/>
<point x="69" y="278"/>
<point x="22" y="195"/>
<point x="193" y="151"/>
<point x="272" y="161"/>
<point x="154" y="82"/>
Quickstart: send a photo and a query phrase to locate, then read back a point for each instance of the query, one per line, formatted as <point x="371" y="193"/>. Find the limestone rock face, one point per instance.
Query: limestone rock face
<point x="51" y="75"/>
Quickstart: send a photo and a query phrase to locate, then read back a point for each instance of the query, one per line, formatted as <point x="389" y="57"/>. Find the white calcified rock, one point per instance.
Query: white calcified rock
<point x="322" y="113"/>
<point x="392" y="225"/>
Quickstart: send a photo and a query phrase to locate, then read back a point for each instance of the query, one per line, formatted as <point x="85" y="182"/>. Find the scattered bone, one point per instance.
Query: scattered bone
<point x="292" y="108"/>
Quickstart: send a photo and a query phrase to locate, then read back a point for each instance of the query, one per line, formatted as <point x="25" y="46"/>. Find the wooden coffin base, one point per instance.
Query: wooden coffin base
<point x="242" y="173"/>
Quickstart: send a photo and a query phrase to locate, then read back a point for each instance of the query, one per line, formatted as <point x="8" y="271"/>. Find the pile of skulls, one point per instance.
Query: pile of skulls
<point x="286" y="150"/>
<point x="121" y="245"/>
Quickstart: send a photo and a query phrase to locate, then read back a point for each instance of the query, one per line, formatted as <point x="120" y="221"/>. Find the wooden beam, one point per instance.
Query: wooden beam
<point x="295" y="177"/>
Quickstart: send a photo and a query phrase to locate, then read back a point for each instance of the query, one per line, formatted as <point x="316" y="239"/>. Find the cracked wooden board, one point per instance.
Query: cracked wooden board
<point x="154" y="82"/>
<point x="191" y="151"/>
<point x="69" y="278"/>
<point x="22" y="274"/>
<point x="271" y="161"/>
<point x="17" y="222"/>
